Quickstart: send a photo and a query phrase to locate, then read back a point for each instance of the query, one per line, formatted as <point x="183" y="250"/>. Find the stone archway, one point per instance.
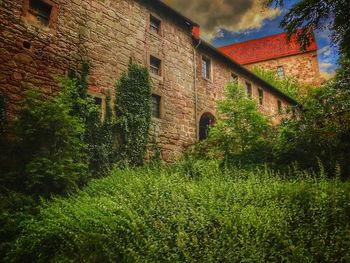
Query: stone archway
<point x="207" y="119"/>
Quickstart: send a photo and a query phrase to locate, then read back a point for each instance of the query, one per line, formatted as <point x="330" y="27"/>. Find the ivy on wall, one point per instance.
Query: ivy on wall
<point x="133" y="113"/>
<point x="100" y="135"/>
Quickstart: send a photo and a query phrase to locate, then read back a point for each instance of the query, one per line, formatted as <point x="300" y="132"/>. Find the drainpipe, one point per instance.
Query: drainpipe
<point x="196" y="36"/>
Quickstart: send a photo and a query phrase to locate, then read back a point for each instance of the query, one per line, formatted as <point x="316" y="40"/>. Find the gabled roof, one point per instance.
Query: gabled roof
<point x="265" y="48"/>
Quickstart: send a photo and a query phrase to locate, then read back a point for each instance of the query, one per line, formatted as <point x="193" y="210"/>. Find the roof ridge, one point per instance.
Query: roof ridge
<point x="266" y="48"/>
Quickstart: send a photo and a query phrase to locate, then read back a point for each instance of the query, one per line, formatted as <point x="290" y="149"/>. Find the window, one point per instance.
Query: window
<point x="261" y="96"/>
<point x="98" y="102"/>
<point x="234" y="78"/>
<point x="249" y="89"/>
<point x="40" y="11"/>
<point x="154" y="25"/>
<point x="154" y="65"/>
<point x="279" y="106"/>
<point x="206" y="121"/>
<point x="206" y="68"/>
<point x="280" y="72"/>
<point x="156" y="106"/>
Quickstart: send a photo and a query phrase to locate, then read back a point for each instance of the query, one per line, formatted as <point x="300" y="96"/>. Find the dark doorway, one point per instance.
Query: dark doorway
<point x="205" y="122"/>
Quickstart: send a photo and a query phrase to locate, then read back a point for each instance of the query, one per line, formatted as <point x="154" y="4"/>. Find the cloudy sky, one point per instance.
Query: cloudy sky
<point x="229" y="21"/>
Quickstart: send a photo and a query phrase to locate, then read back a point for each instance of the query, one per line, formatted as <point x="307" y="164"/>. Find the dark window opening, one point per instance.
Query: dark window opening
<point x="234" y="78"/>
<point x="98" y="102"/>
<point x="261" y="96"/>
<point x="154" y="25"/>
<point x="249" y="90"/>
<point x="26" y="44"/>
<point x="206" y="68"/>
<point x="279" y="106"/>
<point x="156" y="106"/>
<point x="205" y="122"/>
<point x="280" y="72"/>
<point x="155" y="65"/>
<point x="41" y="11"/>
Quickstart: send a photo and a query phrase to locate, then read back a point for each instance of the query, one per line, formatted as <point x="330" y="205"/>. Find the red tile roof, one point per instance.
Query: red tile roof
<point x="265" y="48"/>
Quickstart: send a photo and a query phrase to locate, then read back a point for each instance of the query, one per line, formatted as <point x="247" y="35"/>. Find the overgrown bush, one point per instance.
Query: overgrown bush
<point x="51" y="158"/>
<point x="320" y="133"/>
<point x="45" y="157"/>
<point x="133" y="113"/>
<point x="3" y="118"/>
<point x="240" y="130"/>
<point x="169" y="215"/>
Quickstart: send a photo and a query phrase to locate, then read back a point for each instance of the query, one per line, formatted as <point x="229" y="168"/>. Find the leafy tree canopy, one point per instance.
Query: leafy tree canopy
<point x="290" y="86"/>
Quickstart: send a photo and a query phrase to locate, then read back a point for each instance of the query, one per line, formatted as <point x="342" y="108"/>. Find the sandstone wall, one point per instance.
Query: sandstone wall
<point x="304" y="67"/>
<point x="108" y="33"/>
<point x="211" y="90"/>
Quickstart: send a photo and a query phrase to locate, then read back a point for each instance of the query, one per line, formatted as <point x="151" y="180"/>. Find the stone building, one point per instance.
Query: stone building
<point x="276" y="53"/>
<point x="42" y="39"/>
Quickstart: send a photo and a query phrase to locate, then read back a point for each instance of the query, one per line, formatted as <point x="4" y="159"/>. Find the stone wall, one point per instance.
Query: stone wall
<point x="109" y="33"/>
<point x="304" y="67"/>
<point x="211" y="90"/>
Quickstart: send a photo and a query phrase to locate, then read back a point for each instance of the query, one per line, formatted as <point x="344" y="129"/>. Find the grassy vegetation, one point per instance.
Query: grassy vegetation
<point x="193" y="212"/>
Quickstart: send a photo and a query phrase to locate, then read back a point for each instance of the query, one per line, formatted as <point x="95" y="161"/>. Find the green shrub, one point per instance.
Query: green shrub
<point x="14" y="208"/>
<point x="133" y="113"/>
<point x="241" y="130"/>
<point x="57" y="145"/>
<point x="321" y="132"/>
<point x="51" y="158"/>
<point x="3" y="118"/>
<point x="164" y="215"/>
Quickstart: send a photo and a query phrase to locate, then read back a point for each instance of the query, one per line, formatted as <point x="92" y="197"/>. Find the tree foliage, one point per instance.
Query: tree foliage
<point x="133" y="113"/>
<point x="239" y="132"/>
<point x="48" y="152"/>
<point x="3" y="118"/>
<point x="321" y="131"/>
<point x="289" y="85"/>
<point x="320" y="15"/>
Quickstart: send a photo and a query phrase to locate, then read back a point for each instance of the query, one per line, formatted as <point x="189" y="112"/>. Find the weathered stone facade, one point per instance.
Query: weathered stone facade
<point x="211" y="90"/>
<point x="109" y="33"/>
<point x="304" y="67"/>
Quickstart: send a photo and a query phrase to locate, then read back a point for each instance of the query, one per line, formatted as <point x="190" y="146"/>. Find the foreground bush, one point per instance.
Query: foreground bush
<point x="193" y="213"/>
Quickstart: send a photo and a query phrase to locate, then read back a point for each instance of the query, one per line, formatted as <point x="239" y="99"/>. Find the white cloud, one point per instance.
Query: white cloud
<point x="324" y="66"/>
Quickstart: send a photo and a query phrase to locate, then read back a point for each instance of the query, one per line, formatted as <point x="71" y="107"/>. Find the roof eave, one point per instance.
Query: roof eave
<point x="171" y="10"/>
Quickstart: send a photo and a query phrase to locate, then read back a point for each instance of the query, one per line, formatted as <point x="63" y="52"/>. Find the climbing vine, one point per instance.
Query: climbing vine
<point x="100" y="135"/>
<point x="133" y="113"/>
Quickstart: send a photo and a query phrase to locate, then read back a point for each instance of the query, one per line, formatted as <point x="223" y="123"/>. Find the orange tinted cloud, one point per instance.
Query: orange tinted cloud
<point x="232" y="15"/>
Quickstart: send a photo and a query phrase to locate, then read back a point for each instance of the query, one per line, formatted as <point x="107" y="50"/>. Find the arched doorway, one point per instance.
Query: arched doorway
<point x="207" y="120"/>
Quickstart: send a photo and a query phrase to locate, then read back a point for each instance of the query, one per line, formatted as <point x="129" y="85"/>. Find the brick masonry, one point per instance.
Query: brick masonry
<point x="108" y="33"/>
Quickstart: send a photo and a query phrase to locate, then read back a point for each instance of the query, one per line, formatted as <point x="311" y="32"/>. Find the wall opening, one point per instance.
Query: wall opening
<point x="206" y="120"/>
<point x="156" y="106"/>
<point x="40" y="11"/>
